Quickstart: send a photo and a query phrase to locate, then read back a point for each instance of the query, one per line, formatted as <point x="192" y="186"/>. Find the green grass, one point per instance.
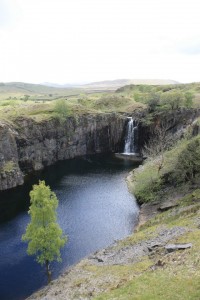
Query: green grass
<point x="25" y="109"/>
<point x="109" y="103"/>
<point x="163" y="98"/>
<point x="125" y="272"/>
<point x="160" y="285"/>
<point x="71" y="106"/>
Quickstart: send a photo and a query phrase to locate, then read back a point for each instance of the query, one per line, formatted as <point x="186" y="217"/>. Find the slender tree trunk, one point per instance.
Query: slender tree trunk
<point x="48" y="272"/>
<point x="161" y="163"/>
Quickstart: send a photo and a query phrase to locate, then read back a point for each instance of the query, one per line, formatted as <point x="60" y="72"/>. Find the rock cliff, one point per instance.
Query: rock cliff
<point x="27" y="145"/>
<point x="175" y="121"/>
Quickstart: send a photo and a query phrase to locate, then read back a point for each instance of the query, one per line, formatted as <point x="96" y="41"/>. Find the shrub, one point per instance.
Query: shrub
<point x="174" y="99"/>
<point x="147" y="182"/>
<point x="188" y="162"/>
<point x="181" y="166"/>
<point x="113" y="103"/>
<point x="189" y="97"/>
<point x="61" y="108"/>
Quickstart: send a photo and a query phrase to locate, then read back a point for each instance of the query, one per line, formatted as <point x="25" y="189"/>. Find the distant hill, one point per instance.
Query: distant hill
<point x="56" y="85"/>
<point x="112" y="84"/>
<point x="52" y="90"/>
<point x="24" y="87"/>
<point x="115" y="84"/>
<point x="19" y="89"/>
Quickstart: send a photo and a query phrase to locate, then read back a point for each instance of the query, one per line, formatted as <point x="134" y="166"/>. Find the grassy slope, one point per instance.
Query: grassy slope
<point x="75" y="105"/>
<point x="35" y="91"/>
<point x="141" y="91"/>
<point x="41" y="99"/>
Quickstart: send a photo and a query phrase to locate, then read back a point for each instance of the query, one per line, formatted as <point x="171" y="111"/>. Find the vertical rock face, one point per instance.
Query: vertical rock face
<point x="32" y="146"/>
<point x="10" y="173"/>
<point x="173" y="121"/>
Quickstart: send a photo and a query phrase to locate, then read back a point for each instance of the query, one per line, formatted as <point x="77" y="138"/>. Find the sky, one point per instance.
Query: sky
<point x="79" y="41"/>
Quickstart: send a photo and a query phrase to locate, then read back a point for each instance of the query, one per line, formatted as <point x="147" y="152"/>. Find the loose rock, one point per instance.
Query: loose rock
<point x="174" y="247"/>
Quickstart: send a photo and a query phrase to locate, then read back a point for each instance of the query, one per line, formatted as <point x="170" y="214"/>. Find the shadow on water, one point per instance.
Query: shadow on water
<point x="95" y="208"/>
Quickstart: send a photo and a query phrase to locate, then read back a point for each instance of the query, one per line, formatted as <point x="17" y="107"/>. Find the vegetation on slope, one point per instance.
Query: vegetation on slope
<point x="64" y="107"/>
<point x="163" y="98"/>
<point x="180" y="170"/>
<point x="172" y="164"/>
<point x="42" y="102"/>
<point x="167" y="275"/>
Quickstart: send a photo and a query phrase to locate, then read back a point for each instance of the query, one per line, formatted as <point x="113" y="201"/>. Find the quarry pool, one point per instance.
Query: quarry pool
<point x="95" y="209"/>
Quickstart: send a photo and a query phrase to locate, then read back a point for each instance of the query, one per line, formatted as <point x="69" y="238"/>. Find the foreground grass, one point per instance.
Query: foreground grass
<point x="160" y="285"/>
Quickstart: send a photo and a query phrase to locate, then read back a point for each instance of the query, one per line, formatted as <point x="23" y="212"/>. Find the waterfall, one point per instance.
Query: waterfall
<point x="131" y="137"/>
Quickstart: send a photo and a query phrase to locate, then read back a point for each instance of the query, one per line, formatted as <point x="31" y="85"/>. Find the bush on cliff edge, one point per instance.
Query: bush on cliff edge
<point x="181" y="165"/>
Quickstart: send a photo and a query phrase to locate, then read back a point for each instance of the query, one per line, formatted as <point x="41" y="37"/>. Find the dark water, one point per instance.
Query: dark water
<point x="95" y="208"/>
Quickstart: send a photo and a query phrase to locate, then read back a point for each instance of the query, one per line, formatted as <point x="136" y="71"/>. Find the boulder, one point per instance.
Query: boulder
<point x="174" y="247"/>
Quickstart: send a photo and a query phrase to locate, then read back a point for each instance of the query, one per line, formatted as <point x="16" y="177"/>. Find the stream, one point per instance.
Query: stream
<point x="95" y="209"/>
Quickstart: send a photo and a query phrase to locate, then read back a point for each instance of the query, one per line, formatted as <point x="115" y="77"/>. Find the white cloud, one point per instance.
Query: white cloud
<point x="88" y="40"/>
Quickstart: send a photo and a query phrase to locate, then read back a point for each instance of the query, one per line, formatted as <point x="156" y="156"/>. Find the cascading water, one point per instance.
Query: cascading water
<point x="131" y="137"/>
<point x="131" y="152"/>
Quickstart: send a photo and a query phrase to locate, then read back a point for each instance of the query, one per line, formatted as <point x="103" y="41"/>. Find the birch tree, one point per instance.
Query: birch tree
<point x="43" y="233"/>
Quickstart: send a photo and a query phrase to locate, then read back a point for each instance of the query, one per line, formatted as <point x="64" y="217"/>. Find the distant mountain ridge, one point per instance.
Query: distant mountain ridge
<point x="122" y="82"/>
<point x="20" y="89"/>
<point x="113" y="84"/>
<point x="11" y="89"/>
<point x="57" y="85"/>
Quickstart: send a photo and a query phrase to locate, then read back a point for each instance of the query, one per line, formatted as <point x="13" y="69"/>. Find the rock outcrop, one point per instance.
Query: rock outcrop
<point x="29" y="146"/>
<point x="10" y="173"/>
<point x="175" y="122"/>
